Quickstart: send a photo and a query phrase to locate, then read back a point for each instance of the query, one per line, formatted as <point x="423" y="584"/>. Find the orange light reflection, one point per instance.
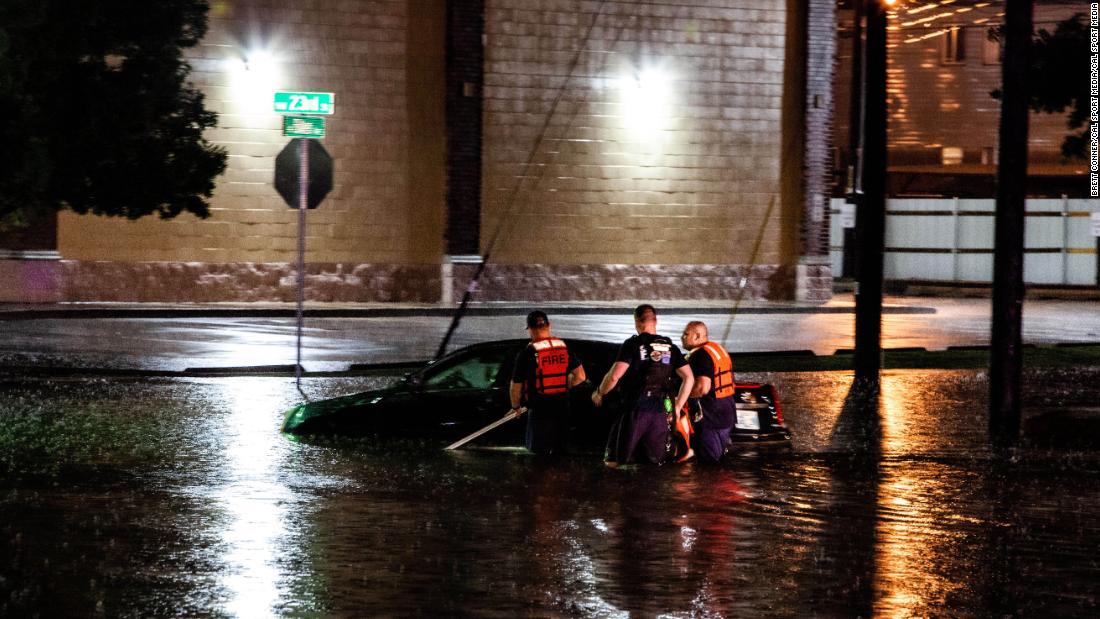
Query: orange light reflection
<point x="917" y="524"/>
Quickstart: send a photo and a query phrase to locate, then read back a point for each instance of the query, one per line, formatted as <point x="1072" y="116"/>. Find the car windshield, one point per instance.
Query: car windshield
<point x="475" y="371"/>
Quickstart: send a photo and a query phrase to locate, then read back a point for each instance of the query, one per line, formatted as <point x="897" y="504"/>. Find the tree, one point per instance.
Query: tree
<point x="97" y="114"/>
<point x="1057" y="78"/>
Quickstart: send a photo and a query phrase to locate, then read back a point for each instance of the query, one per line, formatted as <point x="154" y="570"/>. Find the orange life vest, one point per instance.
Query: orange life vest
<point x="723" y="370"/>
<point x="551" y="366"/>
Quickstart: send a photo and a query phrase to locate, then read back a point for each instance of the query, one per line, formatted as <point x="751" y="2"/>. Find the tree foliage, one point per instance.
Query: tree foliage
<point x="1058" y="78"/>
<point x="97" y="113"/>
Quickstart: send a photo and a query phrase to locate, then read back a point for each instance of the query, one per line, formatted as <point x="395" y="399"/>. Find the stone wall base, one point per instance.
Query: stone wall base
<point x="618" y="282"/>
<point x="203" y="282"/>
<point x="197" y="282"/>
<point x="30" y="281"/>
<point x="813" y="282"/>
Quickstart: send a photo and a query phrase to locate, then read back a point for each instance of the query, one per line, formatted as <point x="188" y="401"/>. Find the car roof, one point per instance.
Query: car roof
<point x="518" y="343"/>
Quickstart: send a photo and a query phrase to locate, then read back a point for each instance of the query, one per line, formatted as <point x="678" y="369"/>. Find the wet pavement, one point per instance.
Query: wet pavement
<point x="175" y="338"/>
<point x="179" y="497"/>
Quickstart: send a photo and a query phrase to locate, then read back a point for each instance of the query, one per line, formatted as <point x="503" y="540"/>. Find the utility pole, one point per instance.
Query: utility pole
<point x="855" y="136"/>
<point x="871" y="209"/>
<point x="1006" y="354"/>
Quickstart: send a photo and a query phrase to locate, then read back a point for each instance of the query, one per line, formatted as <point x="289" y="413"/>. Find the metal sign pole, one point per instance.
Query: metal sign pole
<point x="305" y="123"/>
<point x="303" y="204"/>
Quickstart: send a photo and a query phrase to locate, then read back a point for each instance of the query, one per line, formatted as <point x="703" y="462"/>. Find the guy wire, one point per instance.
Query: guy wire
<point x="471" y="288"/>
<point x="752" y="263"/>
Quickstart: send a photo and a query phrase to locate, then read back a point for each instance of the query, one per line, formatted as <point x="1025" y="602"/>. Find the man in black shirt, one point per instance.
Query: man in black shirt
<point x="712" y="393"/>
<point x="643" y="372"/>
<point x="545" y="371"/>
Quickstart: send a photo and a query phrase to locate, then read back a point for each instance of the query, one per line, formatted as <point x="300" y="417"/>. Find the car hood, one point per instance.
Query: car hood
<point x="301" y="414"/>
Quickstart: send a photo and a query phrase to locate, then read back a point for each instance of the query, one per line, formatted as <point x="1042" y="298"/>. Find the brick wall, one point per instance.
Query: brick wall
<point x="818" y="122"/>
<point x="628" y="149"/>
<point x="633" y="133"/>
<point x="384" y="61"/>
<point x="933" y="104"/>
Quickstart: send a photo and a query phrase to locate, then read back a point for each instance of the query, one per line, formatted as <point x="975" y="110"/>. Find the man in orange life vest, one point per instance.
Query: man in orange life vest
<point x="645" y="365"/>
<point x="712" y="392"/>
<point x="545" y="371"/>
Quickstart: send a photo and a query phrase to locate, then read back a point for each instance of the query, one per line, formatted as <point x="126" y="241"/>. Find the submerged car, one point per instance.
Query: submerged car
<point x="467" y="389"/>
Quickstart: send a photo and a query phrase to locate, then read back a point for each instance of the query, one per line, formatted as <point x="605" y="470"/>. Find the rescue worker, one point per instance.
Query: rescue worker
<point x="544" y="373"/>
<point x="644" y="366"/>
<point x="712" y="401"/>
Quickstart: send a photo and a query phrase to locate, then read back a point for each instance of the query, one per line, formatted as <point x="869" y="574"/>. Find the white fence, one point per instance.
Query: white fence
<point x="952" y="240"/>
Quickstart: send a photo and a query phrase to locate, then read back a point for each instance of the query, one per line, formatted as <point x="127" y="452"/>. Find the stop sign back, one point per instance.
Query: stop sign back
<point x="287" y="172"/>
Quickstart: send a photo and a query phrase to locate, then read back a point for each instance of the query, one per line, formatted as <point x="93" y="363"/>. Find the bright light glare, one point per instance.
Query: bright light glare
<point x="254" y="533"/>
<point x="646" y="97"/>
<point x="253" y="80"/>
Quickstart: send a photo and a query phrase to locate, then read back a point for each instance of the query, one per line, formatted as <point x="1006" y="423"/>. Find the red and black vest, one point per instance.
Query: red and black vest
<point x="551" y="366"/>
<point x="722" y="386"/>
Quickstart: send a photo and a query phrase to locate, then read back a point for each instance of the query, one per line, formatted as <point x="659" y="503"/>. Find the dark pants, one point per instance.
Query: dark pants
<point x="548" y="424"/>
<point x="640" y="434"/>
<point x="712" y="432"/>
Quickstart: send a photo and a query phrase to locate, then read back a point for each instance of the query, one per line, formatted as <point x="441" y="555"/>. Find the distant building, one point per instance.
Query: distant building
<point x="593" y="149"/>
<point x="943" y="123"/>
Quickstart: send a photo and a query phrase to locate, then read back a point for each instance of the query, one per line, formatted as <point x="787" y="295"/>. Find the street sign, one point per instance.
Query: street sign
<point x="304" y="102"/>
<point x="288" y="173"/>
<point x="304" y="126"/>
<point x="303" y="175"/>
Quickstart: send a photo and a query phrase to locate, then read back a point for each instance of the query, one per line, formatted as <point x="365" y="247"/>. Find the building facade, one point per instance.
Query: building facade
<point x="583" y="149"/>
<point x="942" y="65"/>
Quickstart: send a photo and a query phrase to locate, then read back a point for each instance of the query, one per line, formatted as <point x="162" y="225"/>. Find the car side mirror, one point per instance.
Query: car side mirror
<point x="414" y="382"/>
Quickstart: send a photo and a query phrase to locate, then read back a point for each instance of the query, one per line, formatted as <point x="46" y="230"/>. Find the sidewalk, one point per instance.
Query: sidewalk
<point x="175" y="337"/>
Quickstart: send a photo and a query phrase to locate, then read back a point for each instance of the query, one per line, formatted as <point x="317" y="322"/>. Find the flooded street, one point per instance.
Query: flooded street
<point x="179" y="497"/>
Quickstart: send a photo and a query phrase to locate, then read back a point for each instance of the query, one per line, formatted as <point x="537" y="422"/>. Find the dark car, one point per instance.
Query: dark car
<point x="467" y="389"/>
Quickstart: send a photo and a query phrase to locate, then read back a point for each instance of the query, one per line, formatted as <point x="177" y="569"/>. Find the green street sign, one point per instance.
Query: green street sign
<point x="304" y="102"/>
<point x="304" y="126"/>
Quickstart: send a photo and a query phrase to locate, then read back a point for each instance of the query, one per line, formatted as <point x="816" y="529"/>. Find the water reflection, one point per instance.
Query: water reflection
<point x="253" y="499"/>
<point x="236" y="521"/>
<point x="907" y="544"/>
<point x="563" y="555"/>
<point x="927" y="551"/>
<point x="928" y="536"/>
<point x="707" y="558"/>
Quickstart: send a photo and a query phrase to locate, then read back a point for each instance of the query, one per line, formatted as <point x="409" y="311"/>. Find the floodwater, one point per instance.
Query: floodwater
<point x="179" y="497"/>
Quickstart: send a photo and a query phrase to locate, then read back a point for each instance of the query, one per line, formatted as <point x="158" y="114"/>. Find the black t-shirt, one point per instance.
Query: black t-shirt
<point x="652" y="359"/>
<point x="720" y="413"/>
<point x="525" y="370"/>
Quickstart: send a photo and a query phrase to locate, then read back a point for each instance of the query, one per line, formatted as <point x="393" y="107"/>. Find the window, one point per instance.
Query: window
<point x="474" y="372"/>
<point x="953" y="47"/>
<point x="951" y="155"/>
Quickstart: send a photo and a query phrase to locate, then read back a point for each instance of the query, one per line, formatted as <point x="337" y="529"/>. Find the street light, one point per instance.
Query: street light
<point x="253" y="78"/>
<point x="645" y="96"/>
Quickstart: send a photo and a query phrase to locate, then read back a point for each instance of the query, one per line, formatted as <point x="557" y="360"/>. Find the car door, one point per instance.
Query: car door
<point x="464" y="393"/>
